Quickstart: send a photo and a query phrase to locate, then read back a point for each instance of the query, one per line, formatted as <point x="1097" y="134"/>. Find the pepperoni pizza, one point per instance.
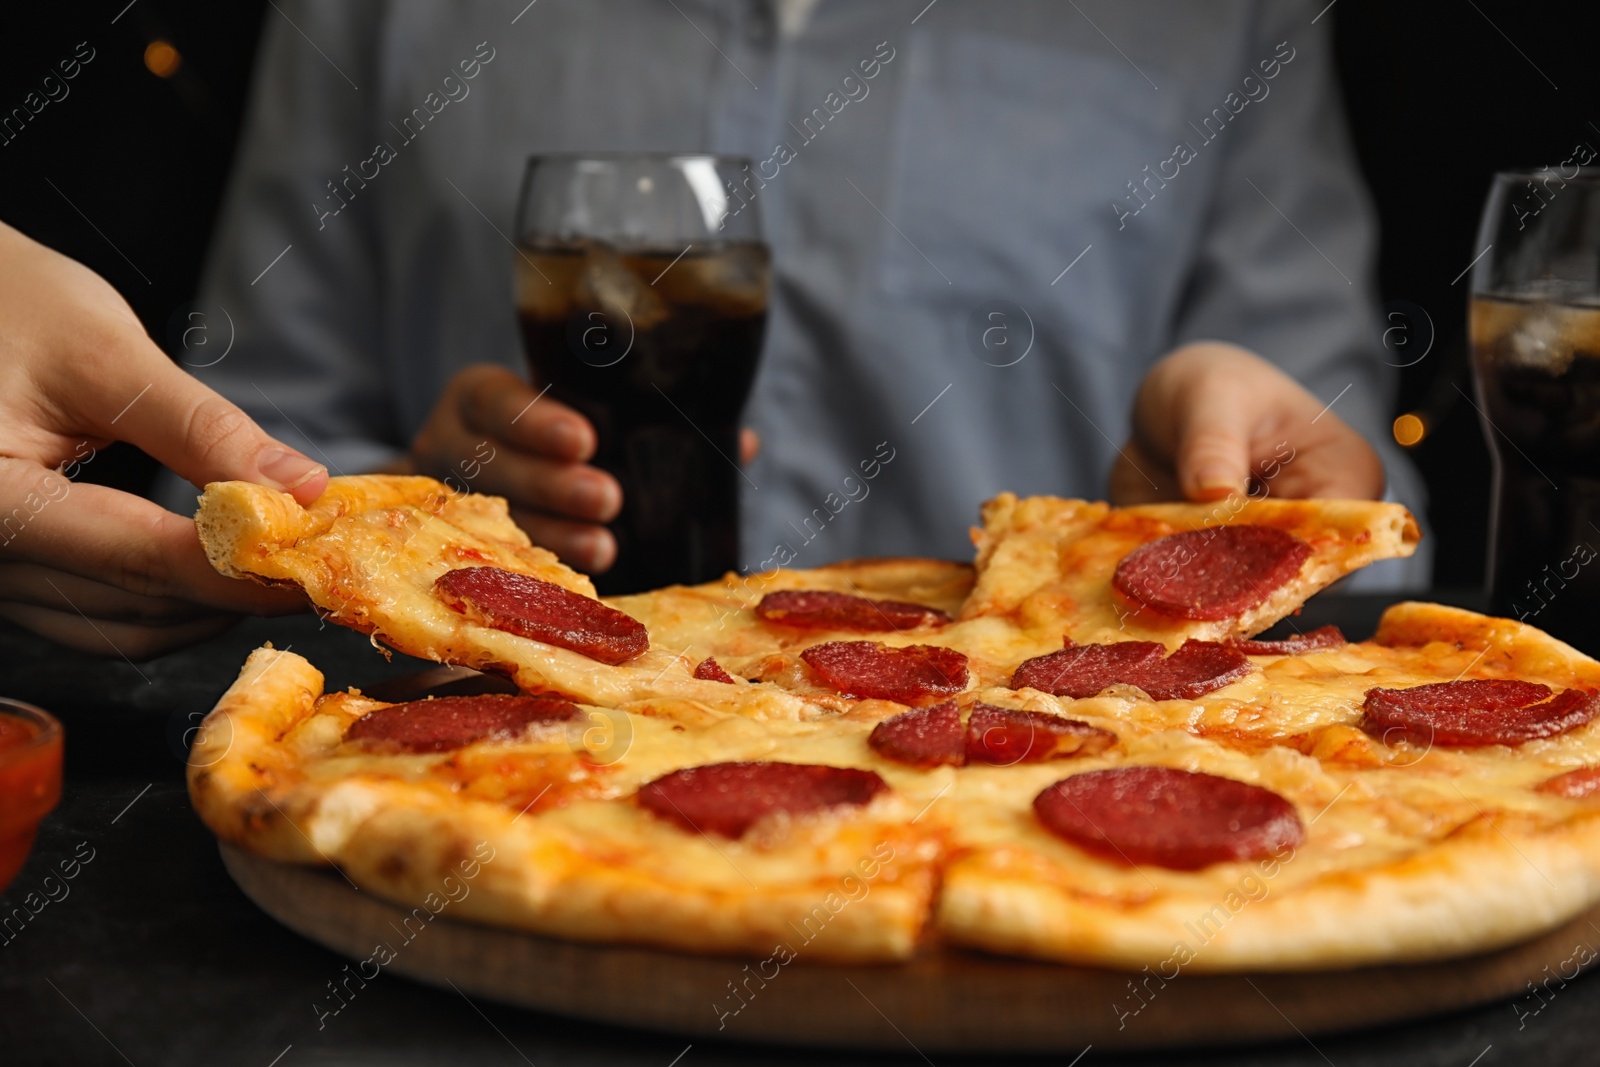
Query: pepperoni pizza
<point x="1074" y="751"/>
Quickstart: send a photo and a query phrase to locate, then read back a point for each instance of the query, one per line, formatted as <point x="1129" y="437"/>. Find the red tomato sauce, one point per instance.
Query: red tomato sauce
<point x="30" y="785"/>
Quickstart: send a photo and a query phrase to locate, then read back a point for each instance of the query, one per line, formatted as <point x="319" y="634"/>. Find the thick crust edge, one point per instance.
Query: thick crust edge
<point x="409" y="843"/>
<point x="1509" y="647"/>
<point x="1433" y="905"/>
<point x="240" y="523"/>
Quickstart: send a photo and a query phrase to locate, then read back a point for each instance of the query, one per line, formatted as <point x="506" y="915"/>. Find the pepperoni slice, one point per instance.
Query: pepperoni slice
<point x="1004" y="736"/>
<point x="1214" y="573"/>
<point x="446" y="723"/>
<point x="543" y="611"/>
<point x="924" y="737"/>
<point x="1168" y="818"/>
<point x="905" y="675"/>
<point x="815" y="609"/>
<point x="1574" y="785"/>
<point x="1080" y="671"/>
<point x="931" y="737"/>
<point x="1310" y="641"/>
<point x="728" y="798"/>
<point x="1195" y="669"/>
<point x="1482" y="711"/>
<point x="709" y="670"/>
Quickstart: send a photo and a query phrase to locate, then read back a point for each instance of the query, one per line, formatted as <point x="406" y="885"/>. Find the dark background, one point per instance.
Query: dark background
<point x="1440" y="94"/>
<point x="174" y="966"/>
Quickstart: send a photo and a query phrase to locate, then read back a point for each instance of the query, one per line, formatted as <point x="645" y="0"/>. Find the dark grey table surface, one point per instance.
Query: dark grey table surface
<point x="151" y="956"/>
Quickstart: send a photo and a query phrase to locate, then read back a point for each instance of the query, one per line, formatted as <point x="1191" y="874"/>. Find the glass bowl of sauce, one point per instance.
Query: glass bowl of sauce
<point x="30" y="780"/>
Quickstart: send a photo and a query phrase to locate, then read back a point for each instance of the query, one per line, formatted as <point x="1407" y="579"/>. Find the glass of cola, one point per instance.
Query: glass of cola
<point x="642" y="287"/>
<point x="1535" y="336"/>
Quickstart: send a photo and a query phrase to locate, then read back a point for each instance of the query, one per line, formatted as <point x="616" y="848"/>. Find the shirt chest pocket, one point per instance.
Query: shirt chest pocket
<point x="1007" y="156"/>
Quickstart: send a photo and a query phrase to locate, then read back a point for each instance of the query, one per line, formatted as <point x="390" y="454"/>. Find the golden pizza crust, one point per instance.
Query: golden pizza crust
<point x="1429" y="858"/>
<point x="1490" y="886"/>
<point x="1416" y="855"/>
<point x="1047" y="563"/>
<point x="1510" y="649"/>
<point x="270" y="772"/>
<point x="250" y="531"/>
<point x="237" y="761"/>
<point x="367" y="554"/>
<point x="549" y="878"/>
<point x="1411" y="852"/>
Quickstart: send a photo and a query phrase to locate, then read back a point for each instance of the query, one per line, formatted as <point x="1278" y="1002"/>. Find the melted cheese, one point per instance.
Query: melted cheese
<point x="368" y="553"/>
<point x="1409" y="852"/>
<point x="1047" y="563"/>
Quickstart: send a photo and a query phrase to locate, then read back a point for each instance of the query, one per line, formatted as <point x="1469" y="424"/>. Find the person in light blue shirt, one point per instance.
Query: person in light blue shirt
<point x="1161" y="199"/>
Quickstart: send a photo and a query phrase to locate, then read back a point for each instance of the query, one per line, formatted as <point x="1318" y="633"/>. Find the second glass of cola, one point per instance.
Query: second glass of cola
<point x="1535" y="334"/>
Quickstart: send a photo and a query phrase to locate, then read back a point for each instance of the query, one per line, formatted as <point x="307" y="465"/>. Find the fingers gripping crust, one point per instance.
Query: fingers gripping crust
<point x="244" y="527"/>
<point x="368" y="554"/>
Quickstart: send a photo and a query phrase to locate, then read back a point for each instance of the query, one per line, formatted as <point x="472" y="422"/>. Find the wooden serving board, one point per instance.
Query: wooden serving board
<point x="945" y="1000"/>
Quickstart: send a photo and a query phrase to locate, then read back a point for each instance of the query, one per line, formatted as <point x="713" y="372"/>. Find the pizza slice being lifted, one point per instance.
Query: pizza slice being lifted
<point x="1171" y="572"/>
<point x="449" y="577"/>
